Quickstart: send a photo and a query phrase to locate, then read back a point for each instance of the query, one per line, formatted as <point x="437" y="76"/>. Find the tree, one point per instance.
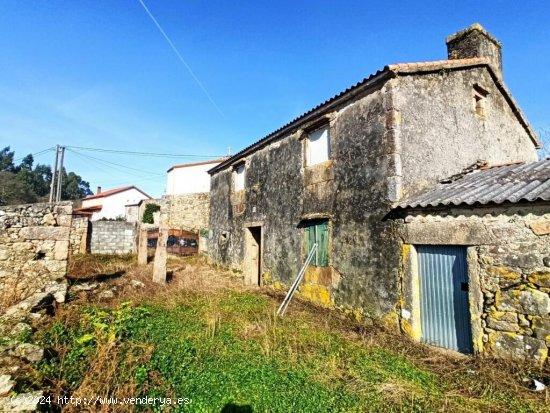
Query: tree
<point x="14" y="189"/>
<point x="27" y="162"/>
<point x="73" y="187"/>
<point x="25" y="184"/>
<point x="6" y="160"/>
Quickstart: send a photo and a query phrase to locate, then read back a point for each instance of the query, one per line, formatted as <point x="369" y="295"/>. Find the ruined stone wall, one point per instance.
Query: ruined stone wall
<point x="351" y="191"/>
<point x="34" y="248"/>
<point x="187" y="211"/>
<point x="113" y="237"/>
<point x="441" y="134"/>
<point x="509" y="274"/>
<point x="80" y="235"/>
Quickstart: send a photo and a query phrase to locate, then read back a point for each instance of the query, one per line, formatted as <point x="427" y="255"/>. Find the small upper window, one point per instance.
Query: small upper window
<point x="480" y="96"/>
<point x="239" y="178"/>
<point x="318" y="146"/>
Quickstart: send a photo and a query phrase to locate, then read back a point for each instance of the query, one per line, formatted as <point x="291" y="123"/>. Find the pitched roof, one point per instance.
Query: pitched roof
<point x="490" y="185"/>
<point x="87" y="210"/>
<point x="387" y="72"/>
<point x="186" y="165"/>
<point x="115" y="191"/>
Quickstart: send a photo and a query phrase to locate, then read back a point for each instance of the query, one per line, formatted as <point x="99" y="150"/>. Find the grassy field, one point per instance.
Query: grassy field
<point x="223" y="348"/>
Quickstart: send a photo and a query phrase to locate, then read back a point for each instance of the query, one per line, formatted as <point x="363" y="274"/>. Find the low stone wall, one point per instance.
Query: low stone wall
<point x="113" y="237"/>
<point x="508" y="269"/>
<point x="189" y="211"/>
<point x="34" y="248"/>
<point x="80" y="235"/>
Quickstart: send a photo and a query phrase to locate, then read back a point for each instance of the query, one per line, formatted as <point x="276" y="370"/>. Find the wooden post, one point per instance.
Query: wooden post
<point x="159" y="267"/>
<point x="142" y="246"/>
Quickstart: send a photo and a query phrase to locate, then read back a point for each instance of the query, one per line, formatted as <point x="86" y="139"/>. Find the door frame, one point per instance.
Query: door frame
<point x="410" y="316"/>
<point x="253" y="276"/>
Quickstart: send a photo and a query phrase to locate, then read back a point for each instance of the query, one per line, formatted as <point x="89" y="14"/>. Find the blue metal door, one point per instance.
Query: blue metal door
<point x="445" y="313"/>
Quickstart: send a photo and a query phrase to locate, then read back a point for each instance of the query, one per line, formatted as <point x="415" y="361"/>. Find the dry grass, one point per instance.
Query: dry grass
<point x="470" y="384"/>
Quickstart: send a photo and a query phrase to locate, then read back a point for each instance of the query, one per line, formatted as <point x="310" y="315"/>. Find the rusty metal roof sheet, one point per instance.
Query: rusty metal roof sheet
<point x="507" y="183"/>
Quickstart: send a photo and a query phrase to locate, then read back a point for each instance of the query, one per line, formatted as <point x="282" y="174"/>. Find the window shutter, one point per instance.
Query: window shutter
<point x="322" y="244"/>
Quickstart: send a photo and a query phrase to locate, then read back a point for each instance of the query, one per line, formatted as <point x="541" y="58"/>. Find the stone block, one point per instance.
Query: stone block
<point x="518" y="347"/>
<point x="540" y="227"/>
<point x="318" y="275"/>
<point x="49" y="220"/>
<point x="29" y="352"/>
<point x="316" y="293"/>
<point x="503" y="321"/>
<point x="45" y="233"/>
<point x="540" y="278"/>
<point x="6" y="384"/>
<point x="526" y="301"/>
<point x="61" y="251"/>
<point x="505" y="275"/>
<point x="541" y="328"/>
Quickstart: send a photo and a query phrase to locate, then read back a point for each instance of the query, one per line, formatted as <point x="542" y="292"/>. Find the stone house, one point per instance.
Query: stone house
<point x="335" y="176"/>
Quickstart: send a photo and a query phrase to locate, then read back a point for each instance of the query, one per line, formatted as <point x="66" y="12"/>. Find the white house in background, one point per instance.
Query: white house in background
<point x="111" y="204"/>
<point x="191" y="178"/>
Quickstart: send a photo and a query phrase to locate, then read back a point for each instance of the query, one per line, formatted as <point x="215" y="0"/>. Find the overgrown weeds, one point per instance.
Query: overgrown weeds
<point x="204" y="339"/>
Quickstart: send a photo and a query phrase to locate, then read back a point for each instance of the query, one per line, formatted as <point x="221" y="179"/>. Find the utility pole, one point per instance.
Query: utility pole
<point x="60" y="174"/>
<point x="54" y="172"/>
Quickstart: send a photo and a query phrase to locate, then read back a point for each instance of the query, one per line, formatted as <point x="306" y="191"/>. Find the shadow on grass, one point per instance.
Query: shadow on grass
<point x="96" y="277"/>
<point x="234" y="408"/>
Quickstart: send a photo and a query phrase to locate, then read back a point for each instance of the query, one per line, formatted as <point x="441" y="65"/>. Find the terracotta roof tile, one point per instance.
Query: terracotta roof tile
<point x="114" y="191"/>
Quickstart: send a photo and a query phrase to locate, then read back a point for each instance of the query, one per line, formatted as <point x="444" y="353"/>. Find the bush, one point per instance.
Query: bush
<point x="150" y="209"/>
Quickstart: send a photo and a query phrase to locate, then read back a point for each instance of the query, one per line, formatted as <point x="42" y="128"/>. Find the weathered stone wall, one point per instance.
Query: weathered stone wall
<point x="394" y="139"/>
<point x="113" y="237"/>
<point x="34" y="248"/>
<point x="509" y="273"/>
<point x="440" y="134"/>
<point x="351" y="191"/>
<point x="187" y="211"/>
<point x="80" y="235"/>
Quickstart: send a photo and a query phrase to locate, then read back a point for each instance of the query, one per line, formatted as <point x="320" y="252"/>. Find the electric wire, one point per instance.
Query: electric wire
<point x="113" y="166"/>
<point x="35" y="154"/>
<point x="148" y="154"/>
<point x="180" y="57"/>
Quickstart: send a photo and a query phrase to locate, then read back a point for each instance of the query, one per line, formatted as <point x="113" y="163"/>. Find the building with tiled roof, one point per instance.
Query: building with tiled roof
<point x="111" y="204"/>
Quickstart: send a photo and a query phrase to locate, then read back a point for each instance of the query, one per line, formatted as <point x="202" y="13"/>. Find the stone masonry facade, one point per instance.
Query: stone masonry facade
<point x="113" y="237"/>
<point x="188" y="211"/>
<point x="80" y="234"/>
<point x="508" y="269"/>
<point x="34" y="249"/>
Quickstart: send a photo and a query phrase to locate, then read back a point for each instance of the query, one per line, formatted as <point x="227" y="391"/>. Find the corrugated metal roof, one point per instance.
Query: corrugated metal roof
<point x="507" y="183"/>
<point x="386" y="72"/>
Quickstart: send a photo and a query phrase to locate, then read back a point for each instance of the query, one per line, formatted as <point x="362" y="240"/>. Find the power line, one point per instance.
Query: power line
<point x="113" y="166"/>
<point x="150" y="154"/>
<point x="116" y="164"/>
<point x="36" y="154"/>
<point x="178" y="54"/>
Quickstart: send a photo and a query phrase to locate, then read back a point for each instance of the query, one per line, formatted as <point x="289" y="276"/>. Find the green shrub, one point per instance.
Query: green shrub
<point x="150" y="209"/>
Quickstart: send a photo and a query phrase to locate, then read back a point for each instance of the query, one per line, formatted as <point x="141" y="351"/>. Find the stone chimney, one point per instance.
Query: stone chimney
<point x="475" y="41"/>
<point x="98" y="190"/>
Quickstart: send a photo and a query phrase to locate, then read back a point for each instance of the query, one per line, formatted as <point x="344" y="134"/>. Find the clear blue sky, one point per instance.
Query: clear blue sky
<point x="99" y="73"/>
